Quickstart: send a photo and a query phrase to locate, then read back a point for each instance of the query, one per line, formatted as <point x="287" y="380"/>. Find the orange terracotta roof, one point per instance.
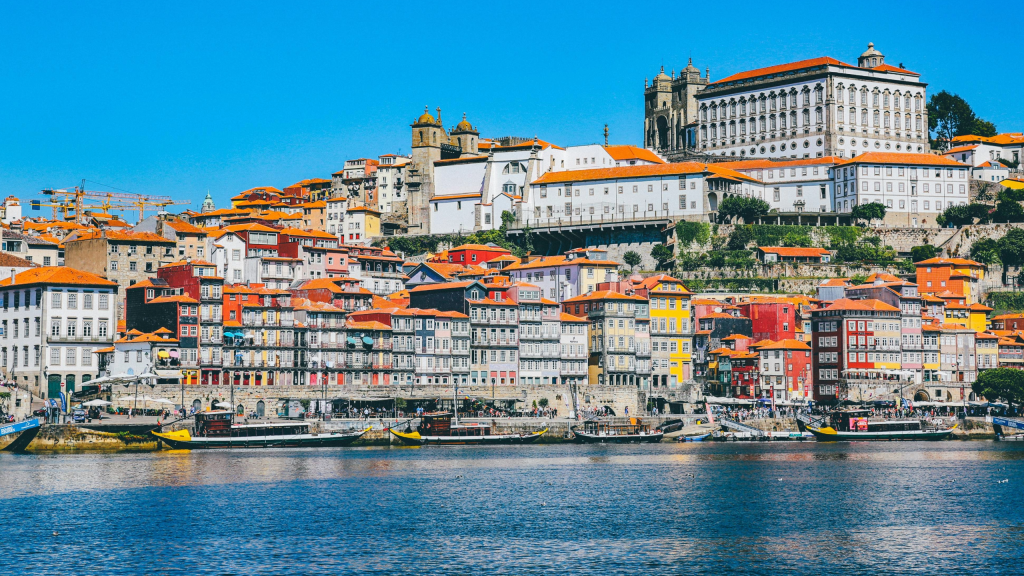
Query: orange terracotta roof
<point x="847" y="304"/>
<point x="603" y="295"/>
<point x="11" y="261"/>
<point x="737" y="337"/>
<point x="780" y="68"/>
<point x="476" y="195"/>
<point x="949" y="262"/>
<point x="835" y="282"/>
<point x="794" y="252"/>
<point x="622" y="172"/>
<point x="546" y="261"/>
<point x="909" y="158"/>
<point x="897" y="70"/>
<point x="787" y="344"/>
<point x="632" y="153"/>
<point x="180" y="299"/>
<point x="56" y="275"/>
<point x="563" y="317"/>
<point x="124" y="235"/>
<point x="442" y="286"/>
<point x="765" y="163"/>
<point x="251" y="227"/>
<point x="185" y="228"/>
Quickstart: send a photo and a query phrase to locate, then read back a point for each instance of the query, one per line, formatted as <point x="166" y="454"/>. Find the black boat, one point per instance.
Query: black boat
<point x="603" y="432"/>
<point x="214" y="429"/>
<point x="440" y="428"/>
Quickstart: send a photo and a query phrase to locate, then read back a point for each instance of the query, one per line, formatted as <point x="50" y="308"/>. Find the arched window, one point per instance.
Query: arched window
<point x="840" y="115"/>
<point x="743" y="127"/>
<point x="807" y="117"/>
<point x="772" y="102"/>
<point x="771" y="120"/>
<point x="818" y="115"/>
<point x="714" y="131"/>
<point x="435" y="137"/>
<point x="886" y="119"/>
<point x="853" y="116"/>
<point x="864" y="117"/>
<point x="874" y="119"/>
<point x="792" y="119"/>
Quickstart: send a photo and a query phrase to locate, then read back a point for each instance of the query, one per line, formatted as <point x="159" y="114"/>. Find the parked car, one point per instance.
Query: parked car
<point x="78" y="416"/>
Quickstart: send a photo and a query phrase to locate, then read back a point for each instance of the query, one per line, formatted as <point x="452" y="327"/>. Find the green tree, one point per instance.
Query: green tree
<point x="996" y="383"/>
<point x="632" y="259"/>
<point x="957" y="215"/>
<point x="1010" y="195"/>
<point x="1008" y="212"/>
<point x="870" y="211"/>
<point x="747" y="208"/>
<point x="919" y="253"/>
<point x="663" y="254"/>
<point x="740" y="237"/>
<point x="949" y="115"/>
<point x="985" y="250"/>
<point x="792" y="239"/>
<point x="1011" y="247"/>
<point x="543" y="403"/>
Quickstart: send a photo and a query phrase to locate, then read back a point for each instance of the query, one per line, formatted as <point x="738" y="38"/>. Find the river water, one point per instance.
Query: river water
<point x="744" y="508"/>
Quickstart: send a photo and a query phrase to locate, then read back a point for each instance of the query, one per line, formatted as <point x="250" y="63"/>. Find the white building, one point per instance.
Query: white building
<point x="574" y="349"/>
<point x="391" y="182"/>
<point x="155" y="353"/>
<point x="915" y="188"/>
<point x="976" y="150"/>
<point x="815" y="108"/>
<point x="227" y="252"/>
<point x="471" y="192"/>
<point x="799" y="185"/>
<point x="53" y="319"/>
<point x="563" y="277"/>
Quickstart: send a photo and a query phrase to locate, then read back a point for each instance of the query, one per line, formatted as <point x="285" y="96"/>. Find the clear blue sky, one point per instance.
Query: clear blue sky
<point x="179" y="98"/>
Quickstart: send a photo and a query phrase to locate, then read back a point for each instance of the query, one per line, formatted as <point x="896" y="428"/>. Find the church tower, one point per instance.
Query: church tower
<point x="427" y="137"/>
<point x="208" y="203"/>
<point x="466" y="138"/>
<point x="871" y="57"/>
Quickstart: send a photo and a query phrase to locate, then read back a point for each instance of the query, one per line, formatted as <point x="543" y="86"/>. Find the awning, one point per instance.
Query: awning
<point x="367" y="340"/>
<point x="175" y="354"/>
<point x="162" y="354"/>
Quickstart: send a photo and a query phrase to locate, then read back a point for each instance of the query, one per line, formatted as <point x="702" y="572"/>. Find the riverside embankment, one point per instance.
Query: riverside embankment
<point x="135" y="437"/>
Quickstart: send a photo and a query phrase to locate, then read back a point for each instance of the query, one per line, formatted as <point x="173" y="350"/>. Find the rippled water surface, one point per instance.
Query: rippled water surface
<point x="806" y="508"/>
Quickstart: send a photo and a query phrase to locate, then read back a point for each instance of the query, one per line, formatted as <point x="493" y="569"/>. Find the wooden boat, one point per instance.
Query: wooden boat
<point x="214" y="429"/>
<point x="698" y="438"/>
<point x="602" y="432"/>
<point x="439" y="428"/>
<point x="854" y="425"/>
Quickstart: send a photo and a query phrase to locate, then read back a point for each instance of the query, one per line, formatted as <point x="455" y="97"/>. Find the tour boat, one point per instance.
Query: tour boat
<point x="215" y="429"/>
<point x="440" y="428"/>
<point x="602" y="432"/>
<point x="856" y="426"/>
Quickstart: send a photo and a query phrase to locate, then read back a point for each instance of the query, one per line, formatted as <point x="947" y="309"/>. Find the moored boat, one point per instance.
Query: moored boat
<point x="852" y="426"/>
<point x="697" y="438"/>
<point x="603" y="432"/>
<point x="214" y="429"/>
<point x="439" y="428"/>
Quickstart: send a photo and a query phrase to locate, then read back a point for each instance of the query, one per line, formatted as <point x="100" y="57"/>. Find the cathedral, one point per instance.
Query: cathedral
<point x="430" y="143"/>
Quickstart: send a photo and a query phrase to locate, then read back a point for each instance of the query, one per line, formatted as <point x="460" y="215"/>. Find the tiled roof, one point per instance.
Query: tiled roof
<point x="847" y="304"/>
<point x="787" y="344"/>
<point x="948" y="262"/>
<point x="640" y="171"/>
<point x="546" y="261"/>
<point x="180" y="299"/>
<point x="780" y="68"/>
<point x="185" y="228"/>
<point x="960" y="149"/>
<point x="570" y="318"/>
<point x="442" y="286"/>
<point x="765" y="163"/>
<point x="603" y="295"/>
<point x="368" y="325"/>
<point x="251" y="227"/>
<point x="125" y="236"/>
<point x="632" y="153"/>
<point x="57" y="275"/>
<point x="908" y="158"/>
<point x="11" y="261"/>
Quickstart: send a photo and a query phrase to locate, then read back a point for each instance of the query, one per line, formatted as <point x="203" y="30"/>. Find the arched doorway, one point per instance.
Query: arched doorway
<point x="261" y="409"/>
<point x="662" y="132"/>
<point x="713" y="201"/>
<point x="921" y="396"/>
<point x="240" y="410"/>
<point x="197" y="405"/>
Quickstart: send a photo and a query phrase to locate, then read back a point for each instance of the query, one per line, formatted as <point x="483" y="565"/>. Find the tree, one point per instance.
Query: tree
<point x="739" y="238"/>
<point x="1005" y="383"/>
<point x="1008" y="212"/>
<point x="792" y="239"/>
<point x="926" y="252"/>
<point x="663" y="254"/>
<point x="1011" y="247"/>
<point x="747" y="208"/>
<point x="985" y="250"/>
<point x="631" y="259"/>
<point x="949" y="115"/>
<point x="870" y="211"/>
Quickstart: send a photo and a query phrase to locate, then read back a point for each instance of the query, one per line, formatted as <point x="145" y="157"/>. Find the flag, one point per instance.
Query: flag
<point x="711" y="418"/>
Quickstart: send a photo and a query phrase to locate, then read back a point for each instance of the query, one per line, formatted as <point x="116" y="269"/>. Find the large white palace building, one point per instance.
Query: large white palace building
<point x="807" y="109"/>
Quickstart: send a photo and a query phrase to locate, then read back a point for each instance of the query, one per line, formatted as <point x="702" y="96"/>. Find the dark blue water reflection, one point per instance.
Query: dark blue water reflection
<point x="662" y="509"/>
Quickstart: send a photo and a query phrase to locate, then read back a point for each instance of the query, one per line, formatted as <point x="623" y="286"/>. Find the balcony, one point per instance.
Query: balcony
<point x="64" y="339"/>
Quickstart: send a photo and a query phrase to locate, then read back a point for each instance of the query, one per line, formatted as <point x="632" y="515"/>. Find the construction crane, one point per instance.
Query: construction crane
<point x="71" y="205"/>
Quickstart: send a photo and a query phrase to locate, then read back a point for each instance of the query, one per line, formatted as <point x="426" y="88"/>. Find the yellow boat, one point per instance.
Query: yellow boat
<point x="214" y="429"/>
<point x="438" y="428"/>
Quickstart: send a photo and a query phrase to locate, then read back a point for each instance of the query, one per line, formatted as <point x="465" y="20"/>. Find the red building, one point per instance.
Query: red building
<point x="843" y="339"/>
<point x="198" y="280"/>
<point x="770" y="318"/>
<point x="786" y="370"/>
<point x="475" y="253"/>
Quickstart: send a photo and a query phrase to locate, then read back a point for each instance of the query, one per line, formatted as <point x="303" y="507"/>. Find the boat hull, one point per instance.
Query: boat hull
<point x="586" y="438"/>
<point x="699" y="438"/>
<point x="178" y="441"/>
<point x="416" y="439"/>
<point x="829" y="435"/>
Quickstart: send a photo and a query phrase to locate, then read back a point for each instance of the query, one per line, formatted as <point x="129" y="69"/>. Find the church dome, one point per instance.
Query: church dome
<point x="464" y="126"/>
<point x="661" y="75"/>
<point x="426" y="118"/>
<point x="871" y="57"/>
<point x="690" y="67"/>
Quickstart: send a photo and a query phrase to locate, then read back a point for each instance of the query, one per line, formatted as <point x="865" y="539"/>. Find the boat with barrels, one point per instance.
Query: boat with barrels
<point x="216" y="429"/>
<point x="442" y="428"/>
<point x="851" y="425"/>
<point x="607" y="432"/>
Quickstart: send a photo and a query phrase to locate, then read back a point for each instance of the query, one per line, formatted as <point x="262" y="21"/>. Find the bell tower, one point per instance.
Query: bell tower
<point x="466" y="137"/>
<point x="427" y="137"/>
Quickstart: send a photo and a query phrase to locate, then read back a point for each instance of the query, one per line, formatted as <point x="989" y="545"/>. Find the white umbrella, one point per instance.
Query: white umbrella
<point x="163" y="401"/>
<point x="96" y="402"/>
<point x="147" y="375"/>
<point x="222" y="405"/>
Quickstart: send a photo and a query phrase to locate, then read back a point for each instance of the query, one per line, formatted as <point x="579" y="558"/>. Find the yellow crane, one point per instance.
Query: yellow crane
<point x="72" y="205"/>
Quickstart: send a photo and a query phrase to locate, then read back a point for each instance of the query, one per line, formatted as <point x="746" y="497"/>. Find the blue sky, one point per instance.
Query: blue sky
<point x="181" y="98"/>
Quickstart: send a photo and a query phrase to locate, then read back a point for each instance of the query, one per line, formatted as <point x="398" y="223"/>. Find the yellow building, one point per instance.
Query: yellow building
<point x="361" y="225"/>
<point x="671" y="329"/>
